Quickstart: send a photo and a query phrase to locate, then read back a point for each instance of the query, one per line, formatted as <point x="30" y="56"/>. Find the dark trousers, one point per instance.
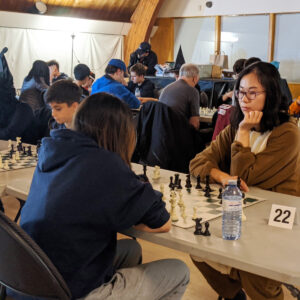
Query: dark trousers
<point x="227" y="286"/>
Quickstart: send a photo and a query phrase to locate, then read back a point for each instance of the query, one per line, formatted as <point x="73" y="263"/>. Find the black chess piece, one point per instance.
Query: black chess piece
<point x="29" y="151"/>
<point x="179" y="187"/>
<point x="143" y="177"/>
<point x="24" y="150"/>
<point x="207" y="194"/>
<point x="12" y="148"/>
<point x="20" y="147"/>
<point x="176" y="177"/>
<point x="198" y="227"/>
<point x="171" y="182"/>
<point x="188" y="183"/>
<point x="220" y="193"/>
<point x="206" y="232"/>
<point x="198" y="186"/>
<point x="207" y="187"/>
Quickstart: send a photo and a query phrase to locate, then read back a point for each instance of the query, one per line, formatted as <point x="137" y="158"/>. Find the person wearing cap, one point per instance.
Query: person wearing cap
<point x="112" y="83"/>
<point x="145" y="56"/>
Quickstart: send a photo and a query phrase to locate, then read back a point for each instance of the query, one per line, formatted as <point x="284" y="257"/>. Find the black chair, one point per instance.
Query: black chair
<point x="25" y="268"/>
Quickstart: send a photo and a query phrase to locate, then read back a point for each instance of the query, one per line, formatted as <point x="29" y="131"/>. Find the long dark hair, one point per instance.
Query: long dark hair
<point x="275" y="111"/>
<point x="108" y="121"/>
<point x="39" y="70"/>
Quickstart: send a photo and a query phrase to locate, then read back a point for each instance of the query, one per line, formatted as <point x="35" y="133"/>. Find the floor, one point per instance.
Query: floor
<point x="198" y="289"/>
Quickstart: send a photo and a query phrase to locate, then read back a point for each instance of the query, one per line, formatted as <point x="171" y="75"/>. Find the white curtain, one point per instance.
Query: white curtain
<point x="27" y="45"/>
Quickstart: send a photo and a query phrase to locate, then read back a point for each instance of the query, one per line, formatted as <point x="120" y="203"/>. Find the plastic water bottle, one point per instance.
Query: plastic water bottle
<point x="137" y="92"/>
<point x="232" y="211"/>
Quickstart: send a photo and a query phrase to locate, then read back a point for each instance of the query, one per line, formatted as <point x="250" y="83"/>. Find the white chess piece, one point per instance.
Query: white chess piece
<point x="17" y="155"/>
<point x="162" y="190"/>
<point x="13" y="159"/>
<point x="9" y="144"/>
<point x="6" y="167"/>
<point x="195" y="213"/>
<point x="174" y="217"/>
<point x="156" y="173"/>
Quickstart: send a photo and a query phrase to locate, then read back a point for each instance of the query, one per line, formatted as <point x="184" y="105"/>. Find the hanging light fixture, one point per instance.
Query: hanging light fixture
<point x="39" y="7"/>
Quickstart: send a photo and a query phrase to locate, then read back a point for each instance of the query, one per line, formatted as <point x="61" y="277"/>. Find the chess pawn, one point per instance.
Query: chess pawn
<point x="162" y="190"/>
<point x="156" y="173"/>
<point x="9" y="144"/>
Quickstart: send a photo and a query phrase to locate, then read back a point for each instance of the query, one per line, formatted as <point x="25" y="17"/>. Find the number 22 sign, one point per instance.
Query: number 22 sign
<point x="282" y="216"/>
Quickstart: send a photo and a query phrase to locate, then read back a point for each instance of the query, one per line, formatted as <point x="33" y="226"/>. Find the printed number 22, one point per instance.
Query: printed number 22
<point x="286" y="214"/>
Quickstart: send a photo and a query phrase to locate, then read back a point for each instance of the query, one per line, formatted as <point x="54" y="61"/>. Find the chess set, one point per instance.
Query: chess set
<point x="192" y="202"/>
<point x="18" y="156"/>
<point x="206" y="111"/>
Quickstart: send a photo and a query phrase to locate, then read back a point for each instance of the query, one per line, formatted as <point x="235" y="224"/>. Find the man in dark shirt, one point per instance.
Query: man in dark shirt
<point x="181" y="95"/>
<point x="55" y="74"/>
<point x="138" y="85"/>
<point x="145" y="56"/>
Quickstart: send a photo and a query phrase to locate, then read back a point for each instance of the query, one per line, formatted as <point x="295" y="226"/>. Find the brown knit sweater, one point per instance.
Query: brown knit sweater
<point x="277" y="168"/>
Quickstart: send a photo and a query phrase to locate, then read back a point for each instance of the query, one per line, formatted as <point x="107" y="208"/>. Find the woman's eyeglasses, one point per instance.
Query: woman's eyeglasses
<point x="251" y="95"/>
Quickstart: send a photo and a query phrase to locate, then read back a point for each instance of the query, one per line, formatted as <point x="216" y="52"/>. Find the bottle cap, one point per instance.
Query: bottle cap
<point x="232" y="182"/>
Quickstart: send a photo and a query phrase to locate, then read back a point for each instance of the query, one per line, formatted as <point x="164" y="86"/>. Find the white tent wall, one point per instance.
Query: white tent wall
<point x="25" y="45"/>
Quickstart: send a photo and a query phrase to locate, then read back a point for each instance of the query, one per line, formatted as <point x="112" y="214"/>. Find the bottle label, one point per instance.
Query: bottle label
<point x="229" y="205"/>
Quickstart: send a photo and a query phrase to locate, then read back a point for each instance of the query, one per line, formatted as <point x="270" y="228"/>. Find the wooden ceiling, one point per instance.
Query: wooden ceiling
<point x="112" y="10"/>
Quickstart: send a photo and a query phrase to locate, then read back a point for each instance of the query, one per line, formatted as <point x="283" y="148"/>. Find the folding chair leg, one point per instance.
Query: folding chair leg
<point x="22" y="202"/>
<point x="2" y="292"/>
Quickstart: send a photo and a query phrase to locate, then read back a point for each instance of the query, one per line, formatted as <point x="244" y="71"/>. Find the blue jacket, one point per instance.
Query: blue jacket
<point x="80" y="197"/>
<point x="109" y="85"/>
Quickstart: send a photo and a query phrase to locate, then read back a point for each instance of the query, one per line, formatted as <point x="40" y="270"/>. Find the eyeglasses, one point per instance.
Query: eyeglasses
<point x="251" y="95"/>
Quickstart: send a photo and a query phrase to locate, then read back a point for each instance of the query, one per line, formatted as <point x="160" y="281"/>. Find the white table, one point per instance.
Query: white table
<point x="264" y="250"/>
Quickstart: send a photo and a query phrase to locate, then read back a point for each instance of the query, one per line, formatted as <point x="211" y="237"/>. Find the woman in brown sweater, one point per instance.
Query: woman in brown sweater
<point x="261" y="146"/>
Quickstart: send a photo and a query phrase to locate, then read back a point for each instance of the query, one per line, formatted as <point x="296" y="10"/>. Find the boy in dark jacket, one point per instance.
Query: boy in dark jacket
<point x="63" y="97"/>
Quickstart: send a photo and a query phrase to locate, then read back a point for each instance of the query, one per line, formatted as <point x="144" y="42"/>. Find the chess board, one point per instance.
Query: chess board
<point x="25" y="160"/>
<point x="207" y="208"/>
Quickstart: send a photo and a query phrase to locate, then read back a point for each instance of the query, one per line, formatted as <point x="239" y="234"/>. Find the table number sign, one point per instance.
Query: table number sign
<point x="282" y="216"/>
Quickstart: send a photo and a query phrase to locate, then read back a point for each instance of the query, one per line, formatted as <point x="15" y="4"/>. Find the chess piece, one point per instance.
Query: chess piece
<point x="174" y="217"/>
<point x="6" y="166"/>
<point x="24" y="150"/>
<point x="207" y="187"/>
<point x="220" y="193"/>
<point x="17" y="155"/>
<point x="198" y="227"/>
<point x="206" y="232"/>
<point x="198" y="186"/>
<point x="162" y="190"/>
<point x="207" y="193"/>
<point x="179" y="187"/>
<point x="176" y="179"/>
<point x="29" y="151"/>
<point x="156" y="173"/>
<point x="9" y="144"/>
<point x="195" y="213"/>
<point x="188" y="183"/>
<point x="171" y="184"/>
<point x="13" y="159"/>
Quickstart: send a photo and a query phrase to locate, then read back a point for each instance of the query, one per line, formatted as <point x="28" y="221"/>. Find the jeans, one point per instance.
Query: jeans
<point x="163" y="279"/>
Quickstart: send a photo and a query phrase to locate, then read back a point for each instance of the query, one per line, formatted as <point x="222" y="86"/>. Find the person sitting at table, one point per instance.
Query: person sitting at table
<point x="82" y="77"/>
<point x="55" y="74"/>
<point x="16" y="118"/>
<point x="83" y="192"/>
<point x="35" y="85"/>
<point x="113" y="82"/>
<point x="63" y="97"/>
<point x="145" y="56"/>
<point x="227" y="97"/>
<point x="181" y="95"/>
<point x="261" y="146"/>
<point x="139" y="85"/>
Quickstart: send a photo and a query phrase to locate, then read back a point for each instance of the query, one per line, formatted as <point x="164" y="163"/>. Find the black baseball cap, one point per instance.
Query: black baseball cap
<point x="144" y="47"/>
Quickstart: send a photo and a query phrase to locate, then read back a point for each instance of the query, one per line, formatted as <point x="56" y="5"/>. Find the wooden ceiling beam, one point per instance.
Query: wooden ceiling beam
<point x="142" y="21"/>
